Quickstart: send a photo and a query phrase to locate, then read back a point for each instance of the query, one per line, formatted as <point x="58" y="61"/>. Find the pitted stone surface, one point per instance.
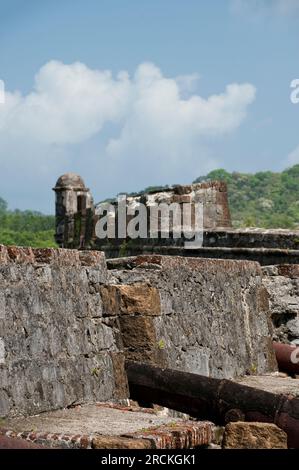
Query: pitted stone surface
<point x="282" y="283"/>
<point x="56" y="348"/>
<point x="273" y="384"/>
<point x="214" y="318"/>
<point x="89" y="419"/>
<point x="108" y="426"/>
<point x="67" y="324"/>
<point x="131" y="300"/>
<point x="241" y="435"/>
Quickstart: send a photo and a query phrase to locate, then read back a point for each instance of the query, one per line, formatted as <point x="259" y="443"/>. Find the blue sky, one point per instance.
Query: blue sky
<point x="134" y="93"/>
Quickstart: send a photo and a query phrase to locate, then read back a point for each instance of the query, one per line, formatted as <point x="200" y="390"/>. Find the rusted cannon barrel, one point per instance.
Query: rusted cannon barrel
<point x="287" y="357"/>
<point x="217" y="400"/>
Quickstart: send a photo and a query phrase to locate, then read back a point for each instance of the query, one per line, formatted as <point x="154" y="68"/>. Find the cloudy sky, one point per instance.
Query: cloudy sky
<point x="132" y="93"/>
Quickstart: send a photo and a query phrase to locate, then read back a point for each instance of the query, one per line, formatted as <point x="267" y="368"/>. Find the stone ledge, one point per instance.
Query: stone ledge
<point x="53" y="256"/>
<point x="110" y="425"/>
<point x="284" y="270"/>
<point x="177" y="435"/>
<point x="174" y="261"/>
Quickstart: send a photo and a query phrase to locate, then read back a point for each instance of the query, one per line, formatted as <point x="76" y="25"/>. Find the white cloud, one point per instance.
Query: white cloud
<point x="162" y="130"/>
<point x="70" y="103"/>
<point x="160" y="121"/>
<point x="261" y="7"/>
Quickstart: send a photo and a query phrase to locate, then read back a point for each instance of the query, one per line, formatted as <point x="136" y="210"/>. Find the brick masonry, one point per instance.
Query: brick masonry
<point x="184" y="435"/>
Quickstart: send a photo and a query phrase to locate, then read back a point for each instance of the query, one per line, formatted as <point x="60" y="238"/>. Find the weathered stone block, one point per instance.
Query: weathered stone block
<point x="242" y="435"/>
<point x="140" y="340"/>
<point x="93" y="258"/>
<point x="120" y="376"/>
<point x="135" y="299"/>
<point x="180" y="199"/>
<point x="20" y="254"/>
<point x="115" y="442"/>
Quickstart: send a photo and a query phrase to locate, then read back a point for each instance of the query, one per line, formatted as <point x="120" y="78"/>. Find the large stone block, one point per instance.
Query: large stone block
<point x="115" y="442"/>
<point x="136" y="305"/>
<point x="241" y="435"/>
<point x="136" y="299"/>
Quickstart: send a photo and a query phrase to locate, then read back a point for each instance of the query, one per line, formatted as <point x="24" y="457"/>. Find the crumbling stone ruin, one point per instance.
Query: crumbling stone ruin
<point x="76" y="218"/>
<point x="84" y="330"/>
<point x="76" y="214"/>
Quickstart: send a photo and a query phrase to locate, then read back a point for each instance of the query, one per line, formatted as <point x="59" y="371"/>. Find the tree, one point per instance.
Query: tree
<point x="3" y="205"/>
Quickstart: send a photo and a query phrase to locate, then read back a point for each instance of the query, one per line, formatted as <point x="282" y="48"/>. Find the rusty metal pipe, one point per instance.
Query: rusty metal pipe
<point x="287" y="357"/>
<point x="218" y="400"/>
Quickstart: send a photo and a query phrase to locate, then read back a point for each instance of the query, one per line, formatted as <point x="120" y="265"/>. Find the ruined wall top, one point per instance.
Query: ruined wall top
<point x="70" y="181"/>
<point x="76" y="216"/>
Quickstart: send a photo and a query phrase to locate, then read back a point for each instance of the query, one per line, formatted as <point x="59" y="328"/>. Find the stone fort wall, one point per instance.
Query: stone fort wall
<point x="76" y="220"/>
<point x="69" y="320"/>
<point x="56" y="346"/>
<point x="77" y="216"/>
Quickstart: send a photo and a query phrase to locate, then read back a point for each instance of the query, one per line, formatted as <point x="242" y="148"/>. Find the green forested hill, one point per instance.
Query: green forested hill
<point x="26" y="228"/>
<point x="263" y="199"/>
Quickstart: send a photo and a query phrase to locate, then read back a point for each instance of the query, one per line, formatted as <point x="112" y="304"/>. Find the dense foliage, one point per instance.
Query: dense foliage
<point x="263" y="199"/>
<point x="26" y="228"/>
